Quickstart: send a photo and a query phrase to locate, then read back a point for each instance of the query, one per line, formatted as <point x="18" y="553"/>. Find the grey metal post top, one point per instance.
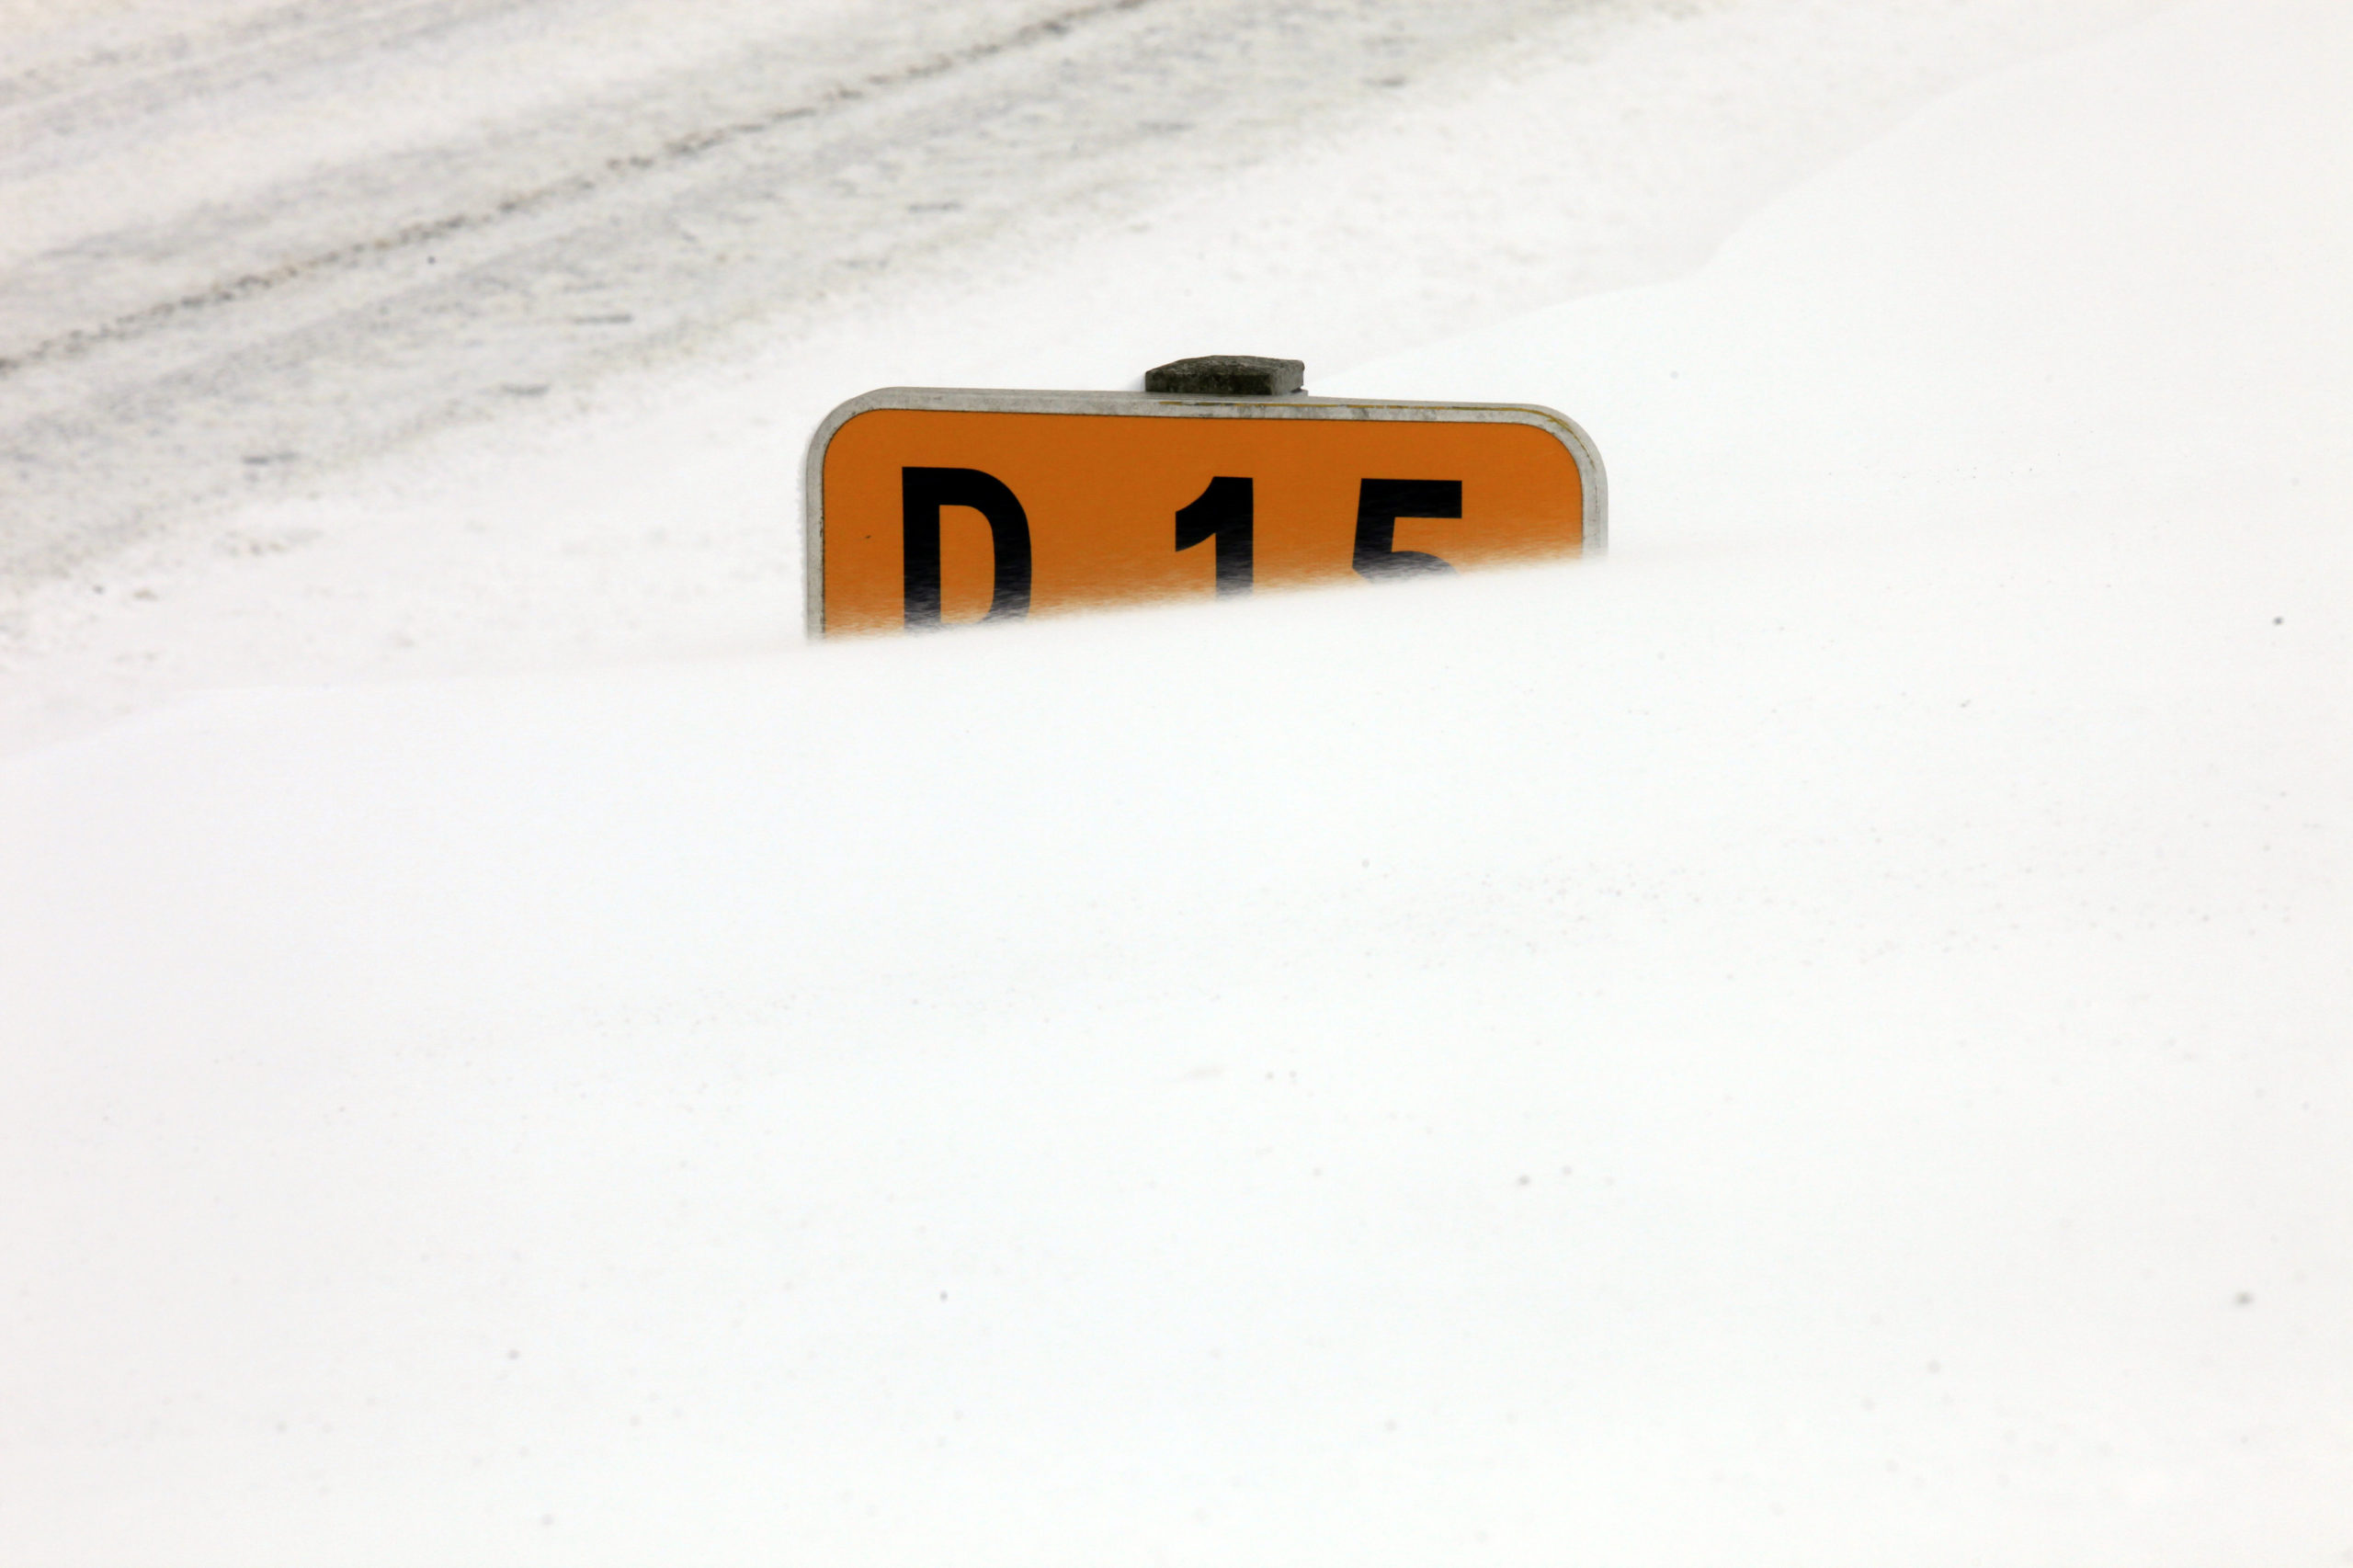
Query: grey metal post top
<point x="1228" y="375"/>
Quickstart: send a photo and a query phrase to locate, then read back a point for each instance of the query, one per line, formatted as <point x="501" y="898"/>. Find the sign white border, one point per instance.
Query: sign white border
<point x="1194" y="405"/>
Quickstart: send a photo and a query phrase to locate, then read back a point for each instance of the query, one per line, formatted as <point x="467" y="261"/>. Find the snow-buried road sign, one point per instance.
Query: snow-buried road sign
<point x="932" y="506"/>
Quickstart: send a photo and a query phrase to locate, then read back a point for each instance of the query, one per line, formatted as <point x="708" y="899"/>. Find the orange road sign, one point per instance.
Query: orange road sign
<point x="940" y="507"/>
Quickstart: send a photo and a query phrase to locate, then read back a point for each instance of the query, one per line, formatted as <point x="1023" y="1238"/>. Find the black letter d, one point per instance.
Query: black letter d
<point x="923" y="492"/>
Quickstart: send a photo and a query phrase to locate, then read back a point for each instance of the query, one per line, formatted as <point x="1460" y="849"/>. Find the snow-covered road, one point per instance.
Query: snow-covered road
<point x="292" y="233"/>
<point x="248" y="243"/>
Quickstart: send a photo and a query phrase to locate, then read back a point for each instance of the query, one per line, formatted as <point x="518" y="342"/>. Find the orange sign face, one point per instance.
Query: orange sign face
<point x="941" y="508"/>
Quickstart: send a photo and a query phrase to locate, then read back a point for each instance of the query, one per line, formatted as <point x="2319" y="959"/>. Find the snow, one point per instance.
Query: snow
<point x="1819" y="1039"/>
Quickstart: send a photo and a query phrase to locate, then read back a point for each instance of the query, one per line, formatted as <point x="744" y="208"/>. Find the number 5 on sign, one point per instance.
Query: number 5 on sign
<point x="933" y="508"/>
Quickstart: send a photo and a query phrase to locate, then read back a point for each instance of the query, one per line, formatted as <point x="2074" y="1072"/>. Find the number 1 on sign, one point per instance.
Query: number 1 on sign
<point x="1223" y="512"/>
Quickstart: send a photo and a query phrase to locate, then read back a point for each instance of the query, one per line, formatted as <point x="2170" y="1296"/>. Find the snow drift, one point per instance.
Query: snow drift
<point x="1819" y="1039"/>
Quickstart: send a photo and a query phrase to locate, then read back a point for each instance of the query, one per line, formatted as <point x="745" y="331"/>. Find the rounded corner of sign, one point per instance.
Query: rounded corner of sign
<point x="1590" y="471"/>
<point x="813" y="513"/>
<point x="1560" y="425"/>
<point x="864" y="402"/>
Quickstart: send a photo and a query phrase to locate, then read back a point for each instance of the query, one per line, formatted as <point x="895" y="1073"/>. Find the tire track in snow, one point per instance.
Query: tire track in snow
<point x="621" y="167"/>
